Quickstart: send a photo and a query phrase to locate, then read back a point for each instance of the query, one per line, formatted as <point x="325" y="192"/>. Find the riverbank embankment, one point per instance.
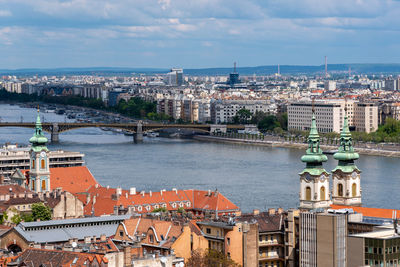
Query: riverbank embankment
<point x="289" y="144"/>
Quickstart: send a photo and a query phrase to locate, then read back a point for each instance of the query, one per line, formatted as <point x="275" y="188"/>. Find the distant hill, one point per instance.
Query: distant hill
<point x="259" y="70"/>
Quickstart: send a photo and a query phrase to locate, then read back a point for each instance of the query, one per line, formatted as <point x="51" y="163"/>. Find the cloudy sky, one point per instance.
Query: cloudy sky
<point x="196" y="33"/>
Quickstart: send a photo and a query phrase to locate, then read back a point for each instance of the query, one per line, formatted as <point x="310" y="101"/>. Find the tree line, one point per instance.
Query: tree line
<point x="264" y="121"/>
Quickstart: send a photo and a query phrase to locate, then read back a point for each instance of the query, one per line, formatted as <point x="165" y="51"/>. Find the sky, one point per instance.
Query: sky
<point x="196" y="33"/>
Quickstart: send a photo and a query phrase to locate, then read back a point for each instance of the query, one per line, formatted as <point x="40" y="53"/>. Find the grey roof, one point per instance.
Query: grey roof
<point x="76" y="221"/>
<point x="63" y="230"/>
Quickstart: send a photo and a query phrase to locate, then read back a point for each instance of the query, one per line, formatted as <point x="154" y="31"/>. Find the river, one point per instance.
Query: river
<point x="251" y="177"/>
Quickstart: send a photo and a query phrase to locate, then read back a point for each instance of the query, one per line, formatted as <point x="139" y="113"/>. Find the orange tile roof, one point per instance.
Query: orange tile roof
<point x="190" y="199"/>
<point x="370" y="212"/>
<point x="72" y="179"/>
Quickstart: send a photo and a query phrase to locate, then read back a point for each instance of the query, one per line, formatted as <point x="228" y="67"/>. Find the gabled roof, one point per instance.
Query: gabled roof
<point x="72" y="179"/>
<point x="106" y="200"/>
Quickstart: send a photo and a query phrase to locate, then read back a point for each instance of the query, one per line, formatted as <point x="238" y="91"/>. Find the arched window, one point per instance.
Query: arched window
<point x="43" y="164"/>
<point x="322" y="193"/>
<point x="354" y="189"/>
<point x="33" y="164"/>
<point x="33" y="185"/>
<point x="308" y="193"/>
<point x="340" y="190"/>
<point x="43" y="185"/>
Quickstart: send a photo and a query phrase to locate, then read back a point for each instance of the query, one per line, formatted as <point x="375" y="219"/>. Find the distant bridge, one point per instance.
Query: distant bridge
<point x="138" y="128"/>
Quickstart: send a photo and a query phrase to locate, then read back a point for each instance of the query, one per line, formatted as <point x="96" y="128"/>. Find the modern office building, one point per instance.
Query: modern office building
<point x="174" y="77"/>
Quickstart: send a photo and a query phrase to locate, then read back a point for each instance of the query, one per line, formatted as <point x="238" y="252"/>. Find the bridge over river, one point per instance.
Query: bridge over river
<point x="138" y="128"/>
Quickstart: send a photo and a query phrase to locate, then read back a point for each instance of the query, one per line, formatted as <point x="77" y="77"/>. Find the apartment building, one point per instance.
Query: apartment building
<point x="192" y="110"/>
<point x="223" y="111"/>
<point x="329" y="115"/>
<point x="365" y="117"/>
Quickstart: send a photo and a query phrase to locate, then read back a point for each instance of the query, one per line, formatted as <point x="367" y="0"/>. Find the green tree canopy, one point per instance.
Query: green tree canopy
<point x="41" y="212"/>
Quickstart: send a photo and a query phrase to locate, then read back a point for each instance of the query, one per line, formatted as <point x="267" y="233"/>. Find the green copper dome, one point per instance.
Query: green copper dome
<point x="346" y="154"/>
<point x="314" y="156"/>
<point x="38" y="140"/>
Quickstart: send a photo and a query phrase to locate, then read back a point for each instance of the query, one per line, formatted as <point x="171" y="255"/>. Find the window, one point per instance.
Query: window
<point x="354" y="189"/>
<point x="151" y="237"/>
<point x="308" y="193"/>
<point x="42" y="164"/>
<point x="33" y="185"/>
<point x="121" y="233"/>
<point x="43" y="184"/>
<point x="228" y="241"/>
<point x="322" y="193"/>
<point x="33" y="164"/>
<point x="340" y="190"/>
<point x="208" y="230"/>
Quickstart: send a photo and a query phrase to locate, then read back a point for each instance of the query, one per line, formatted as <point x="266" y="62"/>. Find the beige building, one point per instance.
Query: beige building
<point x="323" y="240"/>
<point x="365" y="117"/>
<point x="330" y="113"/>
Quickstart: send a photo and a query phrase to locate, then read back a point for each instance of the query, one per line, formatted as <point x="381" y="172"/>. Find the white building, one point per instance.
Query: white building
<point x="330" y="113"/>
<point x="223" y="111"/>
<point x="330" y="85"/>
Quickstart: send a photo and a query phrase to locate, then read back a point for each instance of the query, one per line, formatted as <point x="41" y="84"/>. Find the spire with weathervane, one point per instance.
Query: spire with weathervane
<point x="314" y="179"/>
<point x="346" y="176"/>
<point x="39" y="174"/>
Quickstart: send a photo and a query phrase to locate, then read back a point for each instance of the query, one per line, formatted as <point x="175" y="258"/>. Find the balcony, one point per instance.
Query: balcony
<point x="269" y="243"/>
<point x="268" y="256"/>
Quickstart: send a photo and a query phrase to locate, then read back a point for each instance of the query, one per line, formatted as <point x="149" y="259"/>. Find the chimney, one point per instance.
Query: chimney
<point x="209" y="192"/>
<point x="96" y="186"/>
<point x="87" y="239"/>
<point x="94" y="239"/>
<point x="151" y="193"/>
<point x="176" y="190"/>
<point x="103" y="238"/>
<point x="118" y="191"/>
<point x="115" y="210"/>
<point x="132" y="191"/>
<point x="94" y="200"/>
<point x="256" y="212"/>
<point x="127" y="256"/>
<point x="108" y="187"/>
<point x="142" y="193"/>
<point x="271" y="211"/>
<point x="87" y="198"/>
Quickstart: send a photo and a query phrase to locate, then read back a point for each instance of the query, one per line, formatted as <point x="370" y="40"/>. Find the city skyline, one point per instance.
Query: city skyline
<point x="164" y="33"/>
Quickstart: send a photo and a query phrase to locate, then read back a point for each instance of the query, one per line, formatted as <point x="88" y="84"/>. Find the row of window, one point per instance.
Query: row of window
<point x="148" y="207"/>
<point x="42" y="164"/>
<point x="339" y="191"/>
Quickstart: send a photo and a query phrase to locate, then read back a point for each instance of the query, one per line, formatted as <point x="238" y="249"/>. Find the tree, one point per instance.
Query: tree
<point x="41" y="212"/>
<point x="210" y="258"/>
<point x="268" y="123"/>
<point x="162" y="209"/>
<point x="16" y="219"/>
<point x="3" y="217"/>
<point x="242" y="116"/>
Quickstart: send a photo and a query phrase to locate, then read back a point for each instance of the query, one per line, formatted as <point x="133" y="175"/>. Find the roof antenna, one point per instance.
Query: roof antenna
<point x="234" y="67"/>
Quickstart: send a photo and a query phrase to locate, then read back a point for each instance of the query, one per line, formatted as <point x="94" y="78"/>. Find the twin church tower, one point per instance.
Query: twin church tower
<point x="315" y="190"/>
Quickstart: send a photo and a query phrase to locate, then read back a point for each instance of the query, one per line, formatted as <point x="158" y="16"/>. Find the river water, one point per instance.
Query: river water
<point x="252" y="177"/>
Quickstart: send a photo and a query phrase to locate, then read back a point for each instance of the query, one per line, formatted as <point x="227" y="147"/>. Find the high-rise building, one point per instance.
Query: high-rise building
<point x="330" y="85"/>
<point x="323" y="240"/>
<point x="314" y="179"/>
<point x="346" y="184"/>
<point x="174" y="77"/>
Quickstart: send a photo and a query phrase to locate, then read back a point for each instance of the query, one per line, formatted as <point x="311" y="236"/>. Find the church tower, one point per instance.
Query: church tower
<point x="346" y="176"/>
<point x="314" y="179"/>
<point x="39" y="175"/>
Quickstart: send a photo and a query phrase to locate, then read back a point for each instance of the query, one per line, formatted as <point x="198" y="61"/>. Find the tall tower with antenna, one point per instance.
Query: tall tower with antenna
<point x="326" y="67"/>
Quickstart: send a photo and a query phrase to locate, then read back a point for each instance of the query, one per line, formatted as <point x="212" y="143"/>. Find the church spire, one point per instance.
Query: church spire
<point x="314" y="156"/>
<point x="346" y="154"/>
<point x="38" y="140"/>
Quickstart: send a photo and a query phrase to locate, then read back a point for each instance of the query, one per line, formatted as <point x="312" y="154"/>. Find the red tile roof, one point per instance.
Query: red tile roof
<point x="370" y="212"/>
<point x="106" y="199"/>
<point x="72" y="179"/>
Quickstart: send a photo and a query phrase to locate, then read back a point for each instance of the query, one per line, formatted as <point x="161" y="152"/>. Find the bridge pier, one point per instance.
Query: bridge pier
<point x="138" y="135"/>
<point x="55" y="133"/>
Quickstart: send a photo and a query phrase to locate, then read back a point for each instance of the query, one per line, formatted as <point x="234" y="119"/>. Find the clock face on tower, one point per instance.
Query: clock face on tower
<point x="43" y="154"/>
